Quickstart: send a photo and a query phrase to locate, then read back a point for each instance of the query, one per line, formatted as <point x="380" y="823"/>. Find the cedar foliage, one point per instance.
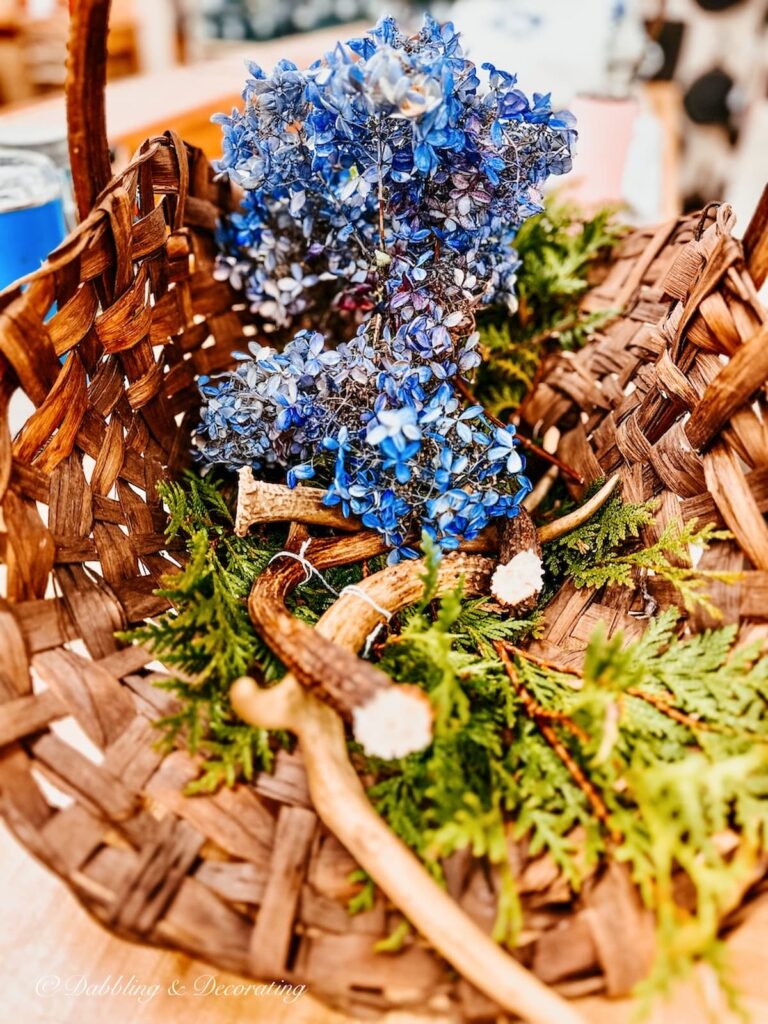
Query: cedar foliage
<point x="207" y="638"/>
<point x="670" y="732"/>
<point x="592" y="556"/>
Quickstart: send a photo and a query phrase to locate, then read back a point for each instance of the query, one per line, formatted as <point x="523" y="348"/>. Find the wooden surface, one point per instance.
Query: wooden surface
<point x="47" y="934"/>
<point x="51" y="936"/>
<point x="182" y="97"/>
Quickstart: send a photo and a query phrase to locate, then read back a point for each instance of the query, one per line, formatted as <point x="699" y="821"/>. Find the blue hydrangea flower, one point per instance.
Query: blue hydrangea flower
<point x="384" y="186"/>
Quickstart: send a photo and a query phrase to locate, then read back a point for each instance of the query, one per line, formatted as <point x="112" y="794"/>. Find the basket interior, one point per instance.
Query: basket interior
<point x="104" y="346"/>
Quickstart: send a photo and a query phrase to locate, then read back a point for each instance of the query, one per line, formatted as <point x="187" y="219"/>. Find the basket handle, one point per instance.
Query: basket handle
<point x="85" y="96"/>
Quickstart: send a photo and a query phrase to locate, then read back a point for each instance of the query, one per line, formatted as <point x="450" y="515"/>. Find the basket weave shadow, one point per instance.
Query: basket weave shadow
<point x="106" y="342"/>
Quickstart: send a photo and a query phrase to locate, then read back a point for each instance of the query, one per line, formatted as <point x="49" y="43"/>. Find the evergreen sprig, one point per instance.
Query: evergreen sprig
<point x="592" y="555"/>
<point x="662" y="559"/>
<point x="671" y="735"/>
<point x="599" y="539"/>
<point x="207" y="637"/>
<point x="482" y="623"/>
<point x="557" y="248"/>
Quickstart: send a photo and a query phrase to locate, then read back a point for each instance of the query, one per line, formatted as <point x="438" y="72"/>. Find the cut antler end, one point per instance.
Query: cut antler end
<point x="519" y="578"/>
<point x="397" y="721"/>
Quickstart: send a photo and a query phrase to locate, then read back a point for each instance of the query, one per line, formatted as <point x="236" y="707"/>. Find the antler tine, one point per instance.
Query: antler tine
<point x="340" y="801"/>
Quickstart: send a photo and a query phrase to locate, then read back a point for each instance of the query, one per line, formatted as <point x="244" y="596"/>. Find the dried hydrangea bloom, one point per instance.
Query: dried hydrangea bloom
<point x="386" y="182"/>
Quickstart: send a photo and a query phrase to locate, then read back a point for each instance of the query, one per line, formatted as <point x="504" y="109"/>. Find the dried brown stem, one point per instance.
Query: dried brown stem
<point x="694" y="724"/>
<point x="532" y="707"/>
<point x="544" y="662"/>
<point x="656" y="700"/>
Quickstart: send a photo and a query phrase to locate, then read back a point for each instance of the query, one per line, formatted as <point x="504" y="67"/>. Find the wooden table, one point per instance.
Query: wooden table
<point x="183" y="98"/>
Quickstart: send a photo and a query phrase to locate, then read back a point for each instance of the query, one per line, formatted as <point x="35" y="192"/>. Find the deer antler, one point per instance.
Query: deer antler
<point x="559" y="527"/>
<point x="341" y="803"/>
<point x="259" y="502"/>
<point x="356" y="689"/>
<point x="390" y="721"/>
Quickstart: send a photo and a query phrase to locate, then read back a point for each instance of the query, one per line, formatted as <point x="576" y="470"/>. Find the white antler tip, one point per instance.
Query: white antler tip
<point x="521" y="578"/>
<point x="396" y="722"/>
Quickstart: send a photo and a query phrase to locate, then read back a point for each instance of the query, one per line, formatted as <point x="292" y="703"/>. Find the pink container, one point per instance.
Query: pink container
<point x="605" y="128"/>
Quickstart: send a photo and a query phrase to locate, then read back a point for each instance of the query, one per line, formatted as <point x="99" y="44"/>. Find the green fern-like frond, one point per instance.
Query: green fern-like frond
<point x="671" y="733"/>
<point x="597" y="540"/>
<point x="592" y="555"/>
<point x="584" y="326"/>
<point x="207" y="636"/>
<point x="481" y="624"/>
<point x="558" y="249"/>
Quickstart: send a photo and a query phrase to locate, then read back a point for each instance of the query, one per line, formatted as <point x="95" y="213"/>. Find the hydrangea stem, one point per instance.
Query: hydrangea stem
<point x="464" y="389"/>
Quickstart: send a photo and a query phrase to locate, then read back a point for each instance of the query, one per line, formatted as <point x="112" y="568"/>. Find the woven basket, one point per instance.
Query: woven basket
<point x="248" y="879"/>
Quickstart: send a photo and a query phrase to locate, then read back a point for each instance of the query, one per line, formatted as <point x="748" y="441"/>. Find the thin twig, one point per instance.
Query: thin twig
<point x="654" y="699"/>
<point x="543" y="662"/>
<point x="666" y="708"/>
<point x="463" y="388"/>
<point x="532" y="707"/>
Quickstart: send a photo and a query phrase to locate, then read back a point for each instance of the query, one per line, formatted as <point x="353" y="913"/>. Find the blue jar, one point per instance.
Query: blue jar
<point x="31" y="212"/>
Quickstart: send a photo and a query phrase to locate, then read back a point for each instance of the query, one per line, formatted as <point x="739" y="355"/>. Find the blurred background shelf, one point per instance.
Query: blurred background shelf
<point x="697" y="71"/>
<point x="182" y="97"/>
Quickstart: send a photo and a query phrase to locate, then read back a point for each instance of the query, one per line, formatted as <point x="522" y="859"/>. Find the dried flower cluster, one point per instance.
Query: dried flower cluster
<point x="388" y="175"/>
